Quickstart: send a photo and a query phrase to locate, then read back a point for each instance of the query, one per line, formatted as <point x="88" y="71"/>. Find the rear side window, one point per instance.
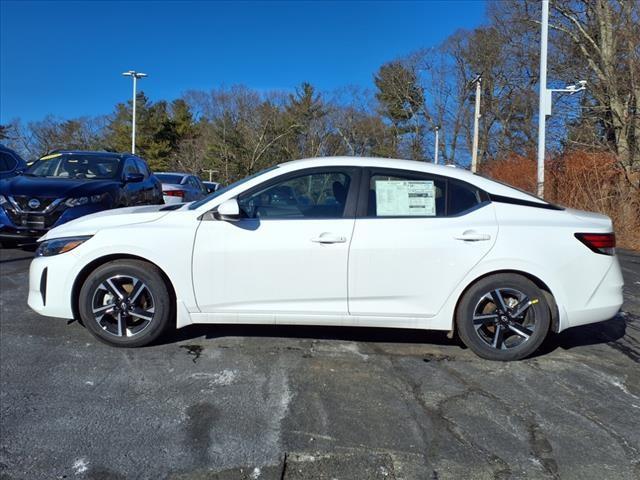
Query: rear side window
<point x="414" y="194"/>
<point x="7" y="162"/>
<point x="406" y="196"/>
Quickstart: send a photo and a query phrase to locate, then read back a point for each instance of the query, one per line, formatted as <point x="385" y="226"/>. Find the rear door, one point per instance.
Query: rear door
<point x="415" y="238"/>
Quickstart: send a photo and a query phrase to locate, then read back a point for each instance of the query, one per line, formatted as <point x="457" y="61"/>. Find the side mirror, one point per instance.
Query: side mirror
<point x="133" y="178"/>
<point x="228" y="210"/>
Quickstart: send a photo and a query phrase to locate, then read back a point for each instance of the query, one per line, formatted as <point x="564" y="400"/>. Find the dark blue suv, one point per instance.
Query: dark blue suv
<point x="10" y="163"/>
<point x="70" y="184"/>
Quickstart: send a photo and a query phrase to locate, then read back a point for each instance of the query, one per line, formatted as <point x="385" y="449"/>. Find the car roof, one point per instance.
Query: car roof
<point x="177" y="173"/>
<point x="463" y="174"/>
<point x="91" y="152"/>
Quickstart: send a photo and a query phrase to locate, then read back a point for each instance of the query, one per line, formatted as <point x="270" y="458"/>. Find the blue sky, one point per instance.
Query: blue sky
<point x="65" y="58"/>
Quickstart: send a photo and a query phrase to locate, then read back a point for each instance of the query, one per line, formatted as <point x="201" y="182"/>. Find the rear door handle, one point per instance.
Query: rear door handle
<point x="327" y="237"/>
<point x="471" y="236"/>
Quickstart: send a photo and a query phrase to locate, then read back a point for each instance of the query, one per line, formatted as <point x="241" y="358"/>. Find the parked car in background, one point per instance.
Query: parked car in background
<point x="212" y="186"/>
<point x="10" y="163"/>
<point x="69" y="184"/>
<point x="181" y="187"/>
<point x="339" y="241"/>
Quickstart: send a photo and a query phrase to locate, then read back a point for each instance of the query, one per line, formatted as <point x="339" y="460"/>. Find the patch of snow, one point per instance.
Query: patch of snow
<point x="80" y="466"/>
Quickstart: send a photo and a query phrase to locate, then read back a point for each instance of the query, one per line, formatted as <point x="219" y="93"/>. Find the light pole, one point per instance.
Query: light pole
<point x="435" y="156"/>
<point x="546" y="95"/>
<point x="135" y="75"/>
<point x="476" y="121"/>
<point x="542" y="117"/>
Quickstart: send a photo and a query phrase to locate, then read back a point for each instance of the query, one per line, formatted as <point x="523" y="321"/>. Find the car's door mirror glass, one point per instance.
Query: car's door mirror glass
<point x="228" y="210"/>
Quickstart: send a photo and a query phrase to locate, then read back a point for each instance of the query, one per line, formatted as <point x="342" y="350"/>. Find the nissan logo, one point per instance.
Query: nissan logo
<point x="34" y="203"/>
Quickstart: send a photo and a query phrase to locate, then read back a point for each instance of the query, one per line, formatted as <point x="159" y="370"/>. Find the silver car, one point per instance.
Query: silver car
<point x="181" y="187"/>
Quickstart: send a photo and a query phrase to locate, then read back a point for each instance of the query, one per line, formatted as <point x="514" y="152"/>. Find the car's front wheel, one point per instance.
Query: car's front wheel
<point x="503" y="317"/>
<point x="125" y="303"/>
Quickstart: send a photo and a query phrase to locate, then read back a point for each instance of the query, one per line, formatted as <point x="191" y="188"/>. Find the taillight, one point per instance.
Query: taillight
<point x="174" y="193"/>
<point x="604" y="243"/>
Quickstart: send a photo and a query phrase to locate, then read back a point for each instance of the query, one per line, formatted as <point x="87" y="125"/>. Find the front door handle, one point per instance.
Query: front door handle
<point x="472" y="236"/>
<point x="328" y="237"/>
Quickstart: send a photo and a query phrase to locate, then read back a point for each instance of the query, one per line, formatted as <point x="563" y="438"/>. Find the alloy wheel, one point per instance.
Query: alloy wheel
<point x="503" y="318"/>
<point x="123" y="306"/>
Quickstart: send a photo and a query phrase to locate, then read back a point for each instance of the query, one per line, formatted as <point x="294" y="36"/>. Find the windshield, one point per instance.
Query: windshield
<point x="170" y="178"/>
<point x="60" y="165"/>
<point x="219" y="192"/>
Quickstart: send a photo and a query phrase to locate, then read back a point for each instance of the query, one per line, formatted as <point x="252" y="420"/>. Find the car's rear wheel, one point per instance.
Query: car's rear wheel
<point x="125" y="303"/>
<point x="503" y="317"/>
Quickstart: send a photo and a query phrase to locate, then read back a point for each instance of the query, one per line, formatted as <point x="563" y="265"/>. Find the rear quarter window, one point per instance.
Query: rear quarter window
<point x="461" y="197"/>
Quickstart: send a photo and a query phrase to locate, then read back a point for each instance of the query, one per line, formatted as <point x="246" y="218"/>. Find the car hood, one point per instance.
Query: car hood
<point x="55" y="187"/>
<point x="91" y="224"/>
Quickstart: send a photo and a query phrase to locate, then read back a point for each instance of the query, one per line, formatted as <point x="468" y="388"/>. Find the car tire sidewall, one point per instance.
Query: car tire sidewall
<point x="151" y="276"/>
<point x="464" y="317"/>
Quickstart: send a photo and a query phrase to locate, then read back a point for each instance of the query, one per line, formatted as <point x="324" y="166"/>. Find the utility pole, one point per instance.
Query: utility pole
<point x="542" y="116"/>
<point x="135" y="75"/>
<point x="435" y="156"/>
<point x="476" y="123"/>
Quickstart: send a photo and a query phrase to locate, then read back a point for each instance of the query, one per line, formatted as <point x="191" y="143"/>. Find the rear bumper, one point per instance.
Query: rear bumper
<point x="605" y="301"/>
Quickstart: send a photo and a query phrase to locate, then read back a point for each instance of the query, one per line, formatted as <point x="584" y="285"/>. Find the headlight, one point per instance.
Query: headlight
<point x="3" y="200"/>
<point x="59" y="245"/>
<point x="76" y="202"/>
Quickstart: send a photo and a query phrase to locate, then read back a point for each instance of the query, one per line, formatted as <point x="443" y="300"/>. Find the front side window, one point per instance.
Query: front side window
<point x="406" y="196"/>
<point x="313" y="195"/>
<point x="130" y="167"/>
<point x="142" y="167"/>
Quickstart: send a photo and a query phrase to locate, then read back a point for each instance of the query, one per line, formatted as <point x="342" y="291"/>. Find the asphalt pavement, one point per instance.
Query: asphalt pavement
<point x="260" y="402"/>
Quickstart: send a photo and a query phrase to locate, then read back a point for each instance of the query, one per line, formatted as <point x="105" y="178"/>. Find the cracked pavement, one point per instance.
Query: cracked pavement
<point x="260" y="402"/>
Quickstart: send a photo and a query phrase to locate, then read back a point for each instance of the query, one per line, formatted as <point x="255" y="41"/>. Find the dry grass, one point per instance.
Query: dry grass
<point x="587" y="181"/>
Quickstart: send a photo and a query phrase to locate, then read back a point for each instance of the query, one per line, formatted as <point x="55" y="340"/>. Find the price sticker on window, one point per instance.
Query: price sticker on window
<point x="401" y="198"/>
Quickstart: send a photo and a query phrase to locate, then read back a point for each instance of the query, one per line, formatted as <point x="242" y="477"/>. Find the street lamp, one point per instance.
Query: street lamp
<point x="546" y="95"/>
<point x="135" y="75"/>
<point x="435" y="156"/>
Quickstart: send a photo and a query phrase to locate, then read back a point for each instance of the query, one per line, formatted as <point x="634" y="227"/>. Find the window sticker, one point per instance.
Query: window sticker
<point x="400" y="198"/>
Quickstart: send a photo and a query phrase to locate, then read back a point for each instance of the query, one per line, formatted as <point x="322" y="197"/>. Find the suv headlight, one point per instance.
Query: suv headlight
<point x="76" y="202"/>
<point x="59" y="245"/>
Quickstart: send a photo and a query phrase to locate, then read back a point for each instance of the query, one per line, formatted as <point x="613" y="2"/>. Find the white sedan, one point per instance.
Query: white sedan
<point x="338" y="241"/>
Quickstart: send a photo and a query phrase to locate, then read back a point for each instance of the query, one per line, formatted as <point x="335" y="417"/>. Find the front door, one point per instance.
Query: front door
<point x="288" y="254"/>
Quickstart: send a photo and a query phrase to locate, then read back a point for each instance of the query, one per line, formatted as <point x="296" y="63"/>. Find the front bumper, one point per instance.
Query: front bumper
<point x="49" y="288"/>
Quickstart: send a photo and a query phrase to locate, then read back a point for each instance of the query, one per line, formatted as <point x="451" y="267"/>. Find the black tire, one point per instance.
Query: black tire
<point x="116" y="283"/>
<point x="487" y="323"/>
